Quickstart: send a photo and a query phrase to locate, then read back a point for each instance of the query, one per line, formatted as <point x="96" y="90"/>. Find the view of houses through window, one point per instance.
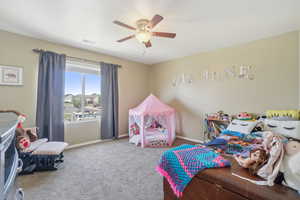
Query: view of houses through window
<point x="82" y="100"/>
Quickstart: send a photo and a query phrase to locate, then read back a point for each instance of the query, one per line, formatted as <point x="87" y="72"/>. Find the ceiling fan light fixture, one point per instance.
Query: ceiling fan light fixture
<point x="143" y="30"/>
<point x="143" y="36"/>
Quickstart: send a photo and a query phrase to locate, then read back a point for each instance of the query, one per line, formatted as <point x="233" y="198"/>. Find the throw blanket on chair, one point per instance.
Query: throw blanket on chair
<point x="180" y="164"/>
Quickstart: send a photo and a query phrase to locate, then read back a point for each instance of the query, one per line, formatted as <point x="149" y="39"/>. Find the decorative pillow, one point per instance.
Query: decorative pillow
<point x="242" y="126"/>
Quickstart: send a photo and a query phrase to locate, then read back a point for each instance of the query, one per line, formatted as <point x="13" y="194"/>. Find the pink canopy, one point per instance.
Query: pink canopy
<point x="152" y="106"/>
<point x="151" y="109"/>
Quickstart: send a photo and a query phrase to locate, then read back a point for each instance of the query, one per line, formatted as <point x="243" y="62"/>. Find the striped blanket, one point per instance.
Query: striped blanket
<point x="180" y="164"/>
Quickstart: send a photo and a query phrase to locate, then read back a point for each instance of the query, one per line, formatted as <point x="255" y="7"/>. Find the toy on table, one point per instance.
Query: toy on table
<point x="244" y="116"/>
<point x="220" y="115"/>
<point x="254" y="162"/>
<point x="215" y="123"/>
<point x="293" y="114"/>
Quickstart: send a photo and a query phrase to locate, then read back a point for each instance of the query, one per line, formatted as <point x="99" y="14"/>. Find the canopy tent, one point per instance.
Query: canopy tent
<point x="152" y="121"/>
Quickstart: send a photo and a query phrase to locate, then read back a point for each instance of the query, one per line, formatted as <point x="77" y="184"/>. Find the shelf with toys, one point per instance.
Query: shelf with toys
<point x="215" y="123"/>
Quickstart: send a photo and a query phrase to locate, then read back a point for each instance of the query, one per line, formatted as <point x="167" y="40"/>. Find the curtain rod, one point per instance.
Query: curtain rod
<point x="76" y="58"/>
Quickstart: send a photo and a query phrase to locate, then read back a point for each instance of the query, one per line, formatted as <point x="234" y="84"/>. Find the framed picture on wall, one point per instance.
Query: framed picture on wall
<point x="10" y="75"/>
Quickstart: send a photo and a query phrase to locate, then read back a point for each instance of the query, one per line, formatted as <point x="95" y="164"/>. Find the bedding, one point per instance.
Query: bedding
<point x="180" y="164"/>
<point x="236" y="143"/>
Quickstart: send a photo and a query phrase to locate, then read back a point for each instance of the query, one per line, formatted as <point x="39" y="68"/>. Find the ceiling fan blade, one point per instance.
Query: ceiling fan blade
<point x="124" y="25"/>
<point x="127" y="38"/>
<point x="163" y="34"/>
<point x="148" y="44"/>
<point x="155" y="20"/>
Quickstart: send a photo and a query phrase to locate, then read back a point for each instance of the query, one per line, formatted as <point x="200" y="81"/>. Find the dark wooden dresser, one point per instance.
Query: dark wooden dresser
<point x="220" y="184"/>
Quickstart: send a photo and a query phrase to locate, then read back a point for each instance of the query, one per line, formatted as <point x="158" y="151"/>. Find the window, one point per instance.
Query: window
<point x="82" y="100"/>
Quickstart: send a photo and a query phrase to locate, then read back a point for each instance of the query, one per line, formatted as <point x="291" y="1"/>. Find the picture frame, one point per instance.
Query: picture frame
<point x="11" y="75"/>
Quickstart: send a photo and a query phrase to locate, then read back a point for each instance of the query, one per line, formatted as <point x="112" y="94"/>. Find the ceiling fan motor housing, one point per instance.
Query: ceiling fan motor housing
<point x="142" y="25"/>
<point x="144" y="30"/>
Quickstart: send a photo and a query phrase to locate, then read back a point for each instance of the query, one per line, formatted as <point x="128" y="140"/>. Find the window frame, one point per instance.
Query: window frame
<point x="83" y="68"/>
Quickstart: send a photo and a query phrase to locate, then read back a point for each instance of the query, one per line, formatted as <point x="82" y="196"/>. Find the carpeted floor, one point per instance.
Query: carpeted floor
<point x="106" y="171"/>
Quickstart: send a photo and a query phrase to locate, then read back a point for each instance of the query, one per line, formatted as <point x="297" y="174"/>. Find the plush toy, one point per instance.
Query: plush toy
<point x="290" y="165"/>
<point x="256" y="159"/>
<point x="134" y="128"/>
<point x="244" y="116"/>
<point x="32" y="133"/>
<point x="155" y="124"/>
<point x="23" y="143"/>
<point x="24" y="136"/>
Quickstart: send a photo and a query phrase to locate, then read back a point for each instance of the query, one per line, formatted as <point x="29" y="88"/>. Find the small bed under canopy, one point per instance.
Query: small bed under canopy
<point x="152" y="123"/>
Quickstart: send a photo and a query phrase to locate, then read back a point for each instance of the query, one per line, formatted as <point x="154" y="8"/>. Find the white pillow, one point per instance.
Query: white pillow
<point x="242" y="126"/>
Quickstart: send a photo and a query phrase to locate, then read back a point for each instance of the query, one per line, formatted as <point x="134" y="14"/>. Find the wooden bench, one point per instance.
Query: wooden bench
<point x="220" y="184"/>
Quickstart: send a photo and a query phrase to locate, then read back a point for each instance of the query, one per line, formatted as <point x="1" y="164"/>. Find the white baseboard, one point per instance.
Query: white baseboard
<point x="123" y="136"/>
<point x="93" y="142"/>
<point x="120" y="137"/>
<point x="189" y="139"/>
<point x="84" y="144"/>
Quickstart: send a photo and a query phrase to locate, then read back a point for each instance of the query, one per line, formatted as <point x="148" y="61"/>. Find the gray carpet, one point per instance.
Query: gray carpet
<point x="106" y="171"/>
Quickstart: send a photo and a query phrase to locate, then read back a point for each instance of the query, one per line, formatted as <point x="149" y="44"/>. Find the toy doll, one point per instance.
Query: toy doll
<point x="254" y="162"/>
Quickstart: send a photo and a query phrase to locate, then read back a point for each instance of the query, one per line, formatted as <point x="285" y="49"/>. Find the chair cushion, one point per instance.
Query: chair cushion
<point x="50" y="148"/>
<point x="36" y="144"/>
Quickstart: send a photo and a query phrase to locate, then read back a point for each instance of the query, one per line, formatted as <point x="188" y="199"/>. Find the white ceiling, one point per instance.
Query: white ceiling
<point x="201" y="25"/>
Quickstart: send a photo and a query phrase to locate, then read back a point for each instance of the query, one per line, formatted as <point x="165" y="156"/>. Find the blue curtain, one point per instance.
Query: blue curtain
<point x="50" y="96"/>
<point x="109" y="101"/>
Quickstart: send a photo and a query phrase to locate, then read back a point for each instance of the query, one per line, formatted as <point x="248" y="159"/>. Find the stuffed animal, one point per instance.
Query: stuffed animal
<point x="23" y="143"/>
<point x="24" y="136"/>
<point x="290" y="165"/>
<point x="135" y="129"/>
<point x="256" y="159"/>
<point x="155" y="124"/>
<point x="32" y="133"/>
<point x="244" y="116"/>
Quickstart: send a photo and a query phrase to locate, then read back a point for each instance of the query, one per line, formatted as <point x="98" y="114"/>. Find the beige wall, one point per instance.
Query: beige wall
<point x="299" y="63"/>
<point x="16" y="50"/>
<point x="276" y="84"/>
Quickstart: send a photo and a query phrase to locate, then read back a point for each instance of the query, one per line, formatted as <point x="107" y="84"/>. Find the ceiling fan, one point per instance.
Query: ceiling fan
<point x="144" y="30"/>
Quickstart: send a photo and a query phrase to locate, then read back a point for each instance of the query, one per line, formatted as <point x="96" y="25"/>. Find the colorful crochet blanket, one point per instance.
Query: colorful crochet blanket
<point x="180" y="164"/>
